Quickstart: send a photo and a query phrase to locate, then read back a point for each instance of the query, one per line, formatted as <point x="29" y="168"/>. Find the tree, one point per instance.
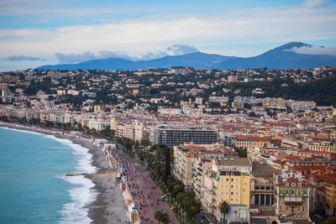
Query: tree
<point x="161" y="217"/>
<point x="242" y="152"/>
<point x="167" y="164"/>
<point x="165" y="218"/>
<point x="224" y="208"/>
<point x="158" y="216"/>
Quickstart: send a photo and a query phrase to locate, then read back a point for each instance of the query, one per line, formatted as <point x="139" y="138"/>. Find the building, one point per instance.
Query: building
<point x="323" y="146"/>
<point x="294" y="196"/>
<point x="177" y="135"/>
<point x="262" y="189"/>
<point x="186" y="158"/>
<point x="6" y="95"/>
<point x="330" y="190"/>
<point x="221" y="100"/>
<point x="252" y="143"/>
<point x="274" y="103"/>
<point x="232" y="78"/>
<point x="229" y="180"/>
<point x="300" y="105"/>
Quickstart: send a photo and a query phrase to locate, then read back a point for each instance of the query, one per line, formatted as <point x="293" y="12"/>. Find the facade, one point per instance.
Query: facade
<point x="252" y="143"/>
<point x="6" y="96"/>
<point x="330" y="190"/>
<point x="274" y="103"/>
<point x="228" y="180"/>
<point x="262" y="188"/>
<point x="175" y="135"/>
<point x="187" y="166"/>
<point x="324" y="146"/>
<point x="294" y="196"/>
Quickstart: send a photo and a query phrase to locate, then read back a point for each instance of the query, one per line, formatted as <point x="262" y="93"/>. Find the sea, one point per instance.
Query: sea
<point x="33" y="185"/>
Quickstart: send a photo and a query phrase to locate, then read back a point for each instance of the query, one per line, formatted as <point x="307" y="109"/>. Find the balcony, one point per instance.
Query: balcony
<point x="293" y="200"/>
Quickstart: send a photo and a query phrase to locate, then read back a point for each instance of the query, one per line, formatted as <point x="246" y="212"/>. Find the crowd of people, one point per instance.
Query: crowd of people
<point x="147" y="197"/>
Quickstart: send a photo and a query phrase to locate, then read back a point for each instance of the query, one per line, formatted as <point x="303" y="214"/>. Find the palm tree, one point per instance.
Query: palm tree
<point x="161" y="217"/>
<point x="165" y="218"/>
<point x="158" y="216"/>
<point x="224" y="208"/>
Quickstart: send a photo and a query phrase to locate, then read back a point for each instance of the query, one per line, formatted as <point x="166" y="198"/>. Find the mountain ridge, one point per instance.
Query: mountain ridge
<point x="282" y="57"/>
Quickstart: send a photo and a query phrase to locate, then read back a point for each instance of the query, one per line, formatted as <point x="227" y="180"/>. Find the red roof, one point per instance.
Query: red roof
<point x="252" y="138"/>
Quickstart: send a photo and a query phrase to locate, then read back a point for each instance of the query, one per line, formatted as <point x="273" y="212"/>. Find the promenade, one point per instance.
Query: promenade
<point x="146" y="195"/>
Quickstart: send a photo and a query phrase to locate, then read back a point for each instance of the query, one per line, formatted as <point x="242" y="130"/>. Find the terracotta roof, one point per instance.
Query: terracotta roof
<point x="253" y="138"/>
<point x="233" y="162"/>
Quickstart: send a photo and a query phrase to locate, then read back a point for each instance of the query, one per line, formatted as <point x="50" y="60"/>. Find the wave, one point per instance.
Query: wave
<point x="84" y="164"/>
<point x="81" y="192"/>
<point x="81" y="195"/>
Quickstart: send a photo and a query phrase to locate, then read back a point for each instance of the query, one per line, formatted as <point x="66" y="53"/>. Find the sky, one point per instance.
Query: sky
<point x="38" y="32"/>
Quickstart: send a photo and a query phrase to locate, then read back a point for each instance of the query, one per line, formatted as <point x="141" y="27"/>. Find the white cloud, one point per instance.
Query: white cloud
<point x="72" y="58"/>
<point x="216" y="33"/>
<point x="177" y="49"/>
<point x="315" y="50"/>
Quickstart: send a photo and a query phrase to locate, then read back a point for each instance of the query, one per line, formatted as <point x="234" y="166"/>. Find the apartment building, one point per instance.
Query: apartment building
<point x="177" y="135"/>
<point x="294" y="196"/>
<point x="262" y="188"/>
<point x="228" y="180"/>
<point x="251" y="142"/>
<point x="274" y="103"/>
<point x="186" y="158"/>
<point x="323" y="146"/>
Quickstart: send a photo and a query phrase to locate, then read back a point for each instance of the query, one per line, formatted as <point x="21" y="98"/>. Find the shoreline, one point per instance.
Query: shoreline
<point x="108" y="205"/>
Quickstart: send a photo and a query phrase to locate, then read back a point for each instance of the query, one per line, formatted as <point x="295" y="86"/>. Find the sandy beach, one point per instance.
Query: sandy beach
<point x="109" y="206"/>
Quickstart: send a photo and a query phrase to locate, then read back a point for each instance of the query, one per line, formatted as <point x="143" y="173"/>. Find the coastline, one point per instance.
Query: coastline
<point x="108" y="205"/>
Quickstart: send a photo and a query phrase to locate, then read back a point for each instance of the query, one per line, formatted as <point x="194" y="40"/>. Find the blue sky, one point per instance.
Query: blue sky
<point x="47" y="30"/>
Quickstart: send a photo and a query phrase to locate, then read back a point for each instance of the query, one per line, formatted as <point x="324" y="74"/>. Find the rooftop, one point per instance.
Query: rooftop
<point x="233" y="162"/>
<point x="263" y="170"/>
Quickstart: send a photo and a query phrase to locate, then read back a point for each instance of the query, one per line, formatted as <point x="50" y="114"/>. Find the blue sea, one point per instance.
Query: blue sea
<point x="33" y="185"/>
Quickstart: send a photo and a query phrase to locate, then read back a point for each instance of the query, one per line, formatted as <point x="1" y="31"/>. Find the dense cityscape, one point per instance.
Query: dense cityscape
<point x="168" y="112"/>
<point x="234" y="146"/>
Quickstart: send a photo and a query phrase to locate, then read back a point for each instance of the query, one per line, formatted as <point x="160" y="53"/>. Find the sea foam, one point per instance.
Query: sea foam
<point x="81" y="193"/>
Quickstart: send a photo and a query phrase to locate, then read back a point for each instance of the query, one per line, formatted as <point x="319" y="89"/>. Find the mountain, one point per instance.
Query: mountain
<point x="196" y="60"/>
<point x="283" y="57"/>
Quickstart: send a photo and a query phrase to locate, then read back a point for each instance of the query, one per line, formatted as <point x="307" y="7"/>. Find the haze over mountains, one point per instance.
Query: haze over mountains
<point x="291" y="55"/>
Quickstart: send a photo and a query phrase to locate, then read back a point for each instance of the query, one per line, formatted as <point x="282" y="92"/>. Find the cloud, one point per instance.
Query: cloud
<point x="315" y="50"/>
<point x="177" y="49"/>
<point x="222" y="33"/>
<point x="24" y="58"/>
<point x="180" y="49"/>
<point x="313" y="3"/>
<point x="87" y="56"/>
<point x="71" y="58"/>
